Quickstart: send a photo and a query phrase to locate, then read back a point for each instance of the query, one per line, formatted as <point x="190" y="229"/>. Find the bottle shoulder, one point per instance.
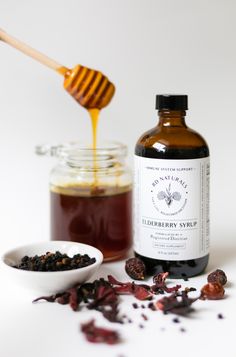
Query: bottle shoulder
<point x="172" y="142"/>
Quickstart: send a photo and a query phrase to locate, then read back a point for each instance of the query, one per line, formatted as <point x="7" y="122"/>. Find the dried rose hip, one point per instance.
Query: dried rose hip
<point x="217" y="276"/>
<point x="212" y="291"/>
<point x="135" y="268"/>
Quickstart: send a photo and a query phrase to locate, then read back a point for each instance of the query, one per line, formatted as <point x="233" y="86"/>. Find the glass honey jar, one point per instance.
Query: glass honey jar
<point x="91" y="197"/>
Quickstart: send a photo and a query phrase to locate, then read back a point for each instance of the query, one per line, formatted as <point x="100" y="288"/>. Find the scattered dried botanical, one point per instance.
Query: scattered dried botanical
<point x="54" y="262"/>
<point x="160" y="284"/>
<point x="141" y="291"/>
<point x="99" y="295"/>
<point x="177" y="303"/>
<point x="217" y="276"/>
<point x="98" y="334"/>
<point x="135" y="268"/>
<point x="212" y="291"/>
<point x="103" y="295"/>
<point x="144" y="317"/>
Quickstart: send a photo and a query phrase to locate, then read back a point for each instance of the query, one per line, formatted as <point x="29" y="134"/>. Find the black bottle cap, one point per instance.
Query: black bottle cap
<point x="172" y="101"/>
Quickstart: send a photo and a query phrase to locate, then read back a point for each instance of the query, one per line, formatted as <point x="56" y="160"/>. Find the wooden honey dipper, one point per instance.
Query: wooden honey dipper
<point x="88" y="87"/>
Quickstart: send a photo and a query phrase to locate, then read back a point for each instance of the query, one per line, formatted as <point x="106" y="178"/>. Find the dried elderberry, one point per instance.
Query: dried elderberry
<point x="217" y="276"/>
<point x="135" y="268"/>
<point x="212" y="291"/>
<point x="54" y="262"/>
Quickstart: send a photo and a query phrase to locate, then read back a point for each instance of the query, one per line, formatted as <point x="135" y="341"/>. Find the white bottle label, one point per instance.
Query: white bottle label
<point x="171" y="211"/>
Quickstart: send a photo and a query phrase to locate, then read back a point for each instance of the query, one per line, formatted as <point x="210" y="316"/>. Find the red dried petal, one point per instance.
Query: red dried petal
<point x="179" y="304"/>
<point x="51" y="298"/>
<point x="173" y="289"/>
<point x="113" y="281"/>
<point x="160" y="278"/>
<point x="98" y="334"/>
<point x="125" y="289"/>
<point x="160" y="284"/>
<point x="64" y="299"/>
<point x="73" y="298"/>
<point x="141" y="292"/>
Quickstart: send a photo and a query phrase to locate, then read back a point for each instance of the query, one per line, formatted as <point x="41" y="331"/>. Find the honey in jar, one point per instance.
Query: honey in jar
<point x="91" y="202"/>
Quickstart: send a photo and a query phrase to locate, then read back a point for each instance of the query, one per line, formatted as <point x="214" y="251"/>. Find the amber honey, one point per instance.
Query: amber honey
<point x="102" y="220"/>
<point x="87" y="210"/>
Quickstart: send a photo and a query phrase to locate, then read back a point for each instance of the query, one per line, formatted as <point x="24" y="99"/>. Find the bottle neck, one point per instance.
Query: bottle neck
<point x="172" y="118"/>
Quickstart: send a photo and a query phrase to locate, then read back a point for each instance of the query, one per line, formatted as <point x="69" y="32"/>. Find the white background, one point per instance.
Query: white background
<point x="145" y="47"/>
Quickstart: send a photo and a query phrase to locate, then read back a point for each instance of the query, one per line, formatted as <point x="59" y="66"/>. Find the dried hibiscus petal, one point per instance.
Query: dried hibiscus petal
<point x="105" y="300"/>
<point x="160" y="284"/>
<point x="69" y="296"/>
<point x="104" y="294"/>
<point x="99" y="295"/>
<point x="98" y="334"/>
<point x="73" y="298"/>
<point x="177" y="303"/>
<point x="141" y="291"/>
<point x="59" y="297"/>
<point x="111" y="313"/>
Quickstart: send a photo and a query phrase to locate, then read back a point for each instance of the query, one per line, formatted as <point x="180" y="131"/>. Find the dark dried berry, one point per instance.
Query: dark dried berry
<point x="217" y="276"/>
<point x="220" y="316"/>
<point x="54" y="262"/>
<point x="151" y="306"/>
<point x="135" y="268"/>
<point x="212" y="291"/>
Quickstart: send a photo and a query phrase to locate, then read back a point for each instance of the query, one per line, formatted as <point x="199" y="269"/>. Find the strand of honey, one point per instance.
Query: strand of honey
<point x="94" y="115"/>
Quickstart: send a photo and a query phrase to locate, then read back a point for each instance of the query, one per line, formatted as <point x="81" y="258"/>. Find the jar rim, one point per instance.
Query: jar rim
<point x="104" y="150"/>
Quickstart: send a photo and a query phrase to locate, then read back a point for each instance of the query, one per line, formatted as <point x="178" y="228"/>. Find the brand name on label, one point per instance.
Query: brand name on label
<point x="169" y="178"/>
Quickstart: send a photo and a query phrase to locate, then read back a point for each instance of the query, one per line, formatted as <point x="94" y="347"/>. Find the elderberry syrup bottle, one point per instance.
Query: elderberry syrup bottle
<point x="172" y="193"/>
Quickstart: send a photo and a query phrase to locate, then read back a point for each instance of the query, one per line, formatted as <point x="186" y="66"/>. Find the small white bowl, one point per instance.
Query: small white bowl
<point x="50" y="282"/>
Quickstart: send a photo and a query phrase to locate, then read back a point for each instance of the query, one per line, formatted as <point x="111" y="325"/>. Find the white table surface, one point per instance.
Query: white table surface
<point x="50" y="329"/>
<point x="166" y="46"/>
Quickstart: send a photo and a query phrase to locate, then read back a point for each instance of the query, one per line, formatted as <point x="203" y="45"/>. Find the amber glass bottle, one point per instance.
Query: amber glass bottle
<point x="172" y="193"/>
